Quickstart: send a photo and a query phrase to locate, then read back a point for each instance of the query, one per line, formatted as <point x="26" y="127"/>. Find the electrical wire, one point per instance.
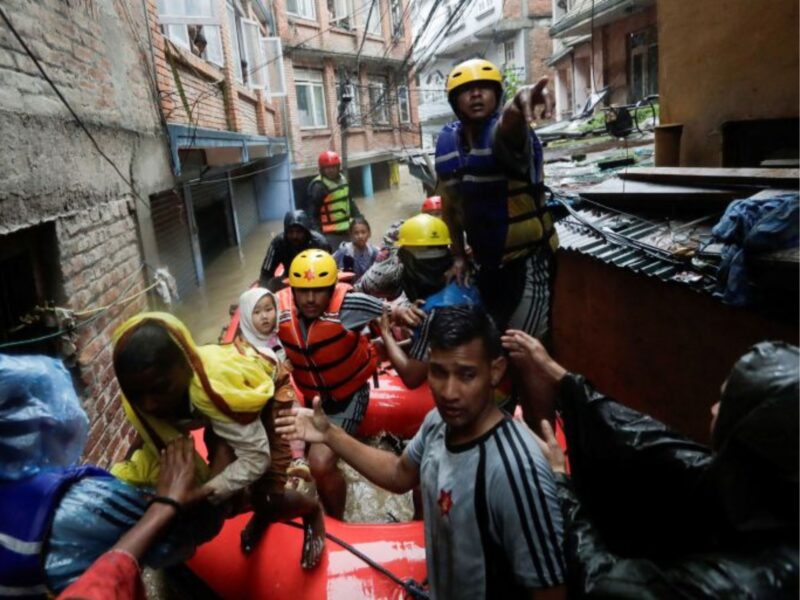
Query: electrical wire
<point x="69" y="106"/>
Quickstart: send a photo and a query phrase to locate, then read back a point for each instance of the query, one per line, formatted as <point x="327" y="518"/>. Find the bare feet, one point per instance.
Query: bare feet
<point x="313" y="539"/>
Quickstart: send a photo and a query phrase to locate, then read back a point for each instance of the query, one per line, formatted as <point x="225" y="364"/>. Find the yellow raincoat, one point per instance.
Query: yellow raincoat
<point x="226" y="386"/>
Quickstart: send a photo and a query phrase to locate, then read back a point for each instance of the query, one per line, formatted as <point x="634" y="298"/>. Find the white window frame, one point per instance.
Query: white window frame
<point x="354" y="107"/>
<point x="403" y="104"/>
<point x="397" y="25"/>
<point x="511" y="45"/>
<point x="380" y="87"/>
<point x="175" y="17"/>
<point x="312" y="79"/>
<point x="375" y="25"/>
<point x="342" y="14"/>
<point x="483" y="6"/>
<point x="254" y="54"/>
<point x="306" y="9"/>
<point x="233" y="28"/>
<point x="273" y="59"/>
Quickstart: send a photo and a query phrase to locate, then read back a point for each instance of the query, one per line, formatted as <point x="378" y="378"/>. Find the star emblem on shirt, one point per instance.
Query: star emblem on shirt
<point x="309" y="275"/>
<point x="445" y="501"/>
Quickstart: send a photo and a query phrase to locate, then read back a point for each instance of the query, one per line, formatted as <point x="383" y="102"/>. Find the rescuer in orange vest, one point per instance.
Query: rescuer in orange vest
<point x="329" y="202"/>
<point x="319" y="326"/>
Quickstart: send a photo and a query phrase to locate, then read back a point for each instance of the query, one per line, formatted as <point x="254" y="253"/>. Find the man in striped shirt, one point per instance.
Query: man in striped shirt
<point x="492" y="524"/>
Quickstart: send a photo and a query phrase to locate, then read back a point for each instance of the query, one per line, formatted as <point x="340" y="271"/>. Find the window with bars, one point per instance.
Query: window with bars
<point x="302" y="8"/>
<point x="354" y="106"/>
<point x="483" y="6"/>
<point x="194" y="25"/>
<point x="310" y="98"/>
<point x="509" y="53"/>
<point x="403" y="105"/>
<point x="379" y="100"/>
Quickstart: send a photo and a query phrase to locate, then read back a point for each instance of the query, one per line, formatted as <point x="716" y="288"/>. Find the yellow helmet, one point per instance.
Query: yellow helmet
<point x="313" y="269"/>
<point x="475" y="69"/>
<point x="424" y="230"/>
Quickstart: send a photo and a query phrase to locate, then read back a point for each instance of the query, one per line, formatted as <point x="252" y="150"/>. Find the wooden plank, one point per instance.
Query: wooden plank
<point x="786" y="178"/>
<point x="617" y="192"/>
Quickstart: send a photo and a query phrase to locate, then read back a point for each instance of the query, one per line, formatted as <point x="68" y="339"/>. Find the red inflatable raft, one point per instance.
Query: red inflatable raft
<point x="273" y="570"/>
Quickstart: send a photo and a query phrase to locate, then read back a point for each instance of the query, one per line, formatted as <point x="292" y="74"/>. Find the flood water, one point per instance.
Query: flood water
<point x="206" y="311"/>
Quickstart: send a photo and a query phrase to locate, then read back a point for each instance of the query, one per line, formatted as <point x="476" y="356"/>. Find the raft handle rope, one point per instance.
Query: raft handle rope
<point x="413" y="588"/>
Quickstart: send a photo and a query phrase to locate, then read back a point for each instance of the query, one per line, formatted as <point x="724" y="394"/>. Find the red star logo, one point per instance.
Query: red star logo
<point x="309" y="275"/>
<point x="445" y="502"/>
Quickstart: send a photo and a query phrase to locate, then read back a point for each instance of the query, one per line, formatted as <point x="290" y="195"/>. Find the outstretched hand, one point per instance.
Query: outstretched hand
<point x="530" y="98"/>
<point x="303" y="423"/>
<point x="408" y="315"/>
<point x="176" y="478"/>
<point x="551" y="449"/>
<point x="459" y="271"/>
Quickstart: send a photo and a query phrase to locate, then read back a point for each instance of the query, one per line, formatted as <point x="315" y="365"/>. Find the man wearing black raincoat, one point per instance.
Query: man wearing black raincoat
<point x="297" y="236"/>
<point x="651" y="514"/>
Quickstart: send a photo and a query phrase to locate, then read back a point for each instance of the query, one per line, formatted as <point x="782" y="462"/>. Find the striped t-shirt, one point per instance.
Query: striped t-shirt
<point x="492" y="524"/>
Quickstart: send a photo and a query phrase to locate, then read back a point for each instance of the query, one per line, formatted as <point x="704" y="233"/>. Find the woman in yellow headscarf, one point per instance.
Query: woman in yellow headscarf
<point x="170" y="385"/>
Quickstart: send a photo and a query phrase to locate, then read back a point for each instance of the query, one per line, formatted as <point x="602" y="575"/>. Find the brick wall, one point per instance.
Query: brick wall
<point x="51" y="173"/>
<point x="216" y="100"/>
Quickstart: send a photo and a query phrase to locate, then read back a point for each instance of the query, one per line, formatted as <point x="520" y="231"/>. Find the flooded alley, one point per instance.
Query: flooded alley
<point x="205" y="311"/>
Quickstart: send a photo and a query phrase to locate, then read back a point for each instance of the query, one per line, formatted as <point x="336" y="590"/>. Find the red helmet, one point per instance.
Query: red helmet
<point x="432" y="203"/>
<point x="329" y="158"/>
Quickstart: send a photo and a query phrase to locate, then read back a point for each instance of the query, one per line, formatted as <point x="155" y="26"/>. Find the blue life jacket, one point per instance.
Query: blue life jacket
<point x="27" y="507"/>
<point x="504" y="216"/>
<point x="452" y="294"/>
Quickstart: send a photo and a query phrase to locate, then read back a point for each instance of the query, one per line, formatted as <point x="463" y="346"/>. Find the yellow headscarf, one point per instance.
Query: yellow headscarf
<point x="226" y="386"/>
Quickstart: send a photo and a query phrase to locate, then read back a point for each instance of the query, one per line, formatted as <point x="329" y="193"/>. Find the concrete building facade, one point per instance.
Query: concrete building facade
<point x="71" y="266"/>
<point x="601" y="44"/>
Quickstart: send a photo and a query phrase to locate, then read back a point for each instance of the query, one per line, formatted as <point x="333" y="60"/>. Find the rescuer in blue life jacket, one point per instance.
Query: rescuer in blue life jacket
<point x="489" y="165"/>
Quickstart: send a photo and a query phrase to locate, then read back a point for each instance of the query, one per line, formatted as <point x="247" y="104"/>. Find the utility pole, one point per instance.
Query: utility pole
<point x="343" y="119"/>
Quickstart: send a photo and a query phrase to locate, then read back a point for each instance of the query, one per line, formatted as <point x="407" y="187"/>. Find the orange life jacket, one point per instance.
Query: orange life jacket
<point x="331" y="360"/>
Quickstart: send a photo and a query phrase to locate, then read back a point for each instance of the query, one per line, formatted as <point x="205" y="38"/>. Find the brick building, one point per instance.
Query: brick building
<point x="68" y="218"/>
<point x="599" y="44"/>
<point x="513" y="34"/>
<point x="362" y="47"/>
<point x="219" y="74"/>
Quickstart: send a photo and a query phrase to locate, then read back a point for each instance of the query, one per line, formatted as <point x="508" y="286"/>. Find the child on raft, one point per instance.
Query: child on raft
<point x="293" y="489"/>
<point x="170" y="386"/>
<point x="357" y="255"/>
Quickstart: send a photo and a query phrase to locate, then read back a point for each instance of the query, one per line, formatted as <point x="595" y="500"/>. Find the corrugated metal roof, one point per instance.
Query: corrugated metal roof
<point x="632" y="243"/>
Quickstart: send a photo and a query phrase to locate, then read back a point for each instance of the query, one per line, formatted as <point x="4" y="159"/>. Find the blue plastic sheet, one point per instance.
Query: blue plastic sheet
<point x="42" y="424"/>
<point x="95" y="512"/>
<point x="747" y="228"/>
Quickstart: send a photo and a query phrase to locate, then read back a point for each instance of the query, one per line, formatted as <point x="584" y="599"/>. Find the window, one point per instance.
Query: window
<point x="374" y="15"/>
<point x="310" y="98"/>
<point x="402" y="104"/>
<point x="233" y="26"/>
<point x="302" y="8"/>
<point x="459" y="23"/>
<point x="397" y="17"/>
<point x="341" y="13"/>
<point x="508" y="49"/>
<point x="379" y="100"/>
<point x="254" y="55"/>
<point x="483" y="6"/>
<point x="354" y="106"/>
<point x="194" y="25"/>
<point x="273" y="63"/>
<point x="643" y="64"/>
